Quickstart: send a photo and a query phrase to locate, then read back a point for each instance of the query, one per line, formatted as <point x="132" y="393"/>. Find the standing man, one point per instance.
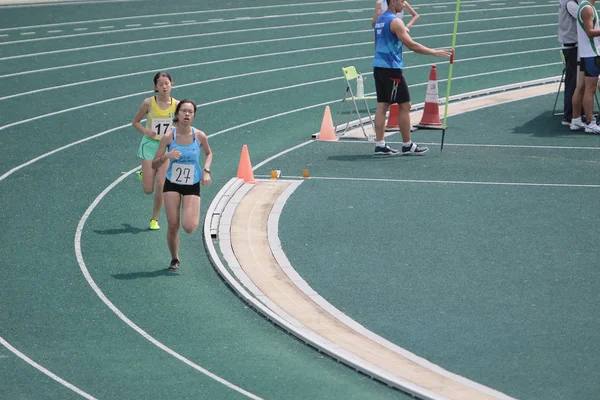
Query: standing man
<point x="391" y="87"/>
<point x="588" y="31"/>
<point x="567" y="36"/>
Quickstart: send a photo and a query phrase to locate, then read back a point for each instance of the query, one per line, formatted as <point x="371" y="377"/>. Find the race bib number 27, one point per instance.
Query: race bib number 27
<point x="182" y="174"/>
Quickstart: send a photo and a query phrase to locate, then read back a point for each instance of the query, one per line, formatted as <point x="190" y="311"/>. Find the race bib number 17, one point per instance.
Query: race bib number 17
<point x="161" y="126"/>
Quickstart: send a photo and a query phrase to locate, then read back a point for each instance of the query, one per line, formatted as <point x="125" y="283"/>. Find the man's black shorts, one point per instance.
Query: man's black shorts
<point x="390" y="86"/>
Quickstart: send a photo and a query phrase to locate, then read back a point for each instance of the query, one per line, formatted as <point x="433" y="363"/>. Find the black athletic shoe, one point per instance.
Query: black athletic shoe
<point x="174" y="266"/>
<point x="413" y="149"/>
<point x="386" y="151"/>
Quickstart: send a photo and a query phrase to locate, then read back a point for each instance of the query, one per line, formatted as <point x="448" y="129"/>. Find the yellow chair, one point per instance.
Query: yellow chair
<point x="353" y="78"/>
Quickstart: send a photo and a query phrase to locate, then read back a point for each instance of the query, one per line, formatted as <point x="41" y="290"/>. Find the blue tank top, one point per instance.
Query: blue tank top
<point x="186" y="170"/>
<point x="388" y="48"/>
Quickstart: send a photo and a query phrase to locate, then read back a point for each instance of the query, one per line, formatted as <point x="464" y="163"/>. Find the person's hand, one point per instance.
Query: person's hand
<point x="174" y="154"/>
<point x="407" y="27"/>
<point x="205" y="179"/>
<point x="151" y="134"/>
<point x="442" y="53"/>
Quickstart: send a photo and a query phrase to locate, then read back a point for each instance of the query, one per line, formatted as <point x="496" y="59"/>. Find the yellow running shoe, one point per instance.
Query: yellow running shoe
<point x="140" y="176"/>
<point x="154" y="225"/>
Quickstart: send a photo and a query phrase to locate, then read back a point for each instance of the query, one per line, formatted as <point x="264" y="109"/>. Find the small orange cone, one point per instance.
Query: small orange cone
<point x="431" y="112"/>
<point x="245" y="167"/>
<point x="327" y="131"/>
<point x="392" y="121"/>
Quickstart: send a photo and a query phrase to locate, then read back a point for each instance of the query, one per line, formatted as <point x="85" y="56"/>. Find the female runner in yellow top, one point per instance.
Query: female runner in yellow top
<point x="159" y="111"/>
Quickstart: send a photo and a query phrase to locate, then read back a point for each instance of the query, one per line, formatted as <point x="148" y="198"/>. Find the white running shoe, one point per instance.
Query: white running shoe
<point x="593" y="127"/>
<point x="577" y="124"/>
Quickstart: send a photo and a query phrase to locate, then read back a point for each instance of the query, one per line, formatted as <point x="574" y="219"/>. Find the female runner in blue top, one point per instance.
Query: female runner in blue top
<point x="181" y="147"/>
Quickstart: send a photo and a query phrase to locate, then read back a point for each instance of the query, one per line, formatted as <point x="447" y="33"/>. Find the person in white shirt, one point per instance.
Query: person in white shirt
<point x="381" y="7"/>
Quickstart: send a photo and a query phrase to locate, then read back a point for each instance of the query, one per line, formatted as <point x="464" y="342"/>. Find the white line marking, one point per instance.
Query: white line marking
<point x="267" y="91"/>
<point x="55" y="31"/>
<point x="288" y="38"/>
<point x="184" y="66"/>
<point x="15" y="169"/>
<point x="107" y="27"/>
<point x="194" y="36"/>
<point x="160" y="23"/>
<point x="118" y="312"/>
<point x="133" y="25"/>
<point x="27" y="33"/>
<point x="228" y="10"/>
<point x="80" y="29"/>
<point x="506" y="146"/>
<point x="569" y="185"/>
<point x="188" y="22"/>
<point x="45" y="3"/>
<point x="256" y="18"/>
<point x="44" y="370"/>
<point x="273" y="116"/>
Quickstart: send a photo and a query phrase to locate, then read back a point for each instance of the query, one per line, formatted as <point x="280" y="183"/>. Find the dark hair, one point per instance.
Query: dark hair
<point x="160" y="75"/>
<point x="175" y="119"/>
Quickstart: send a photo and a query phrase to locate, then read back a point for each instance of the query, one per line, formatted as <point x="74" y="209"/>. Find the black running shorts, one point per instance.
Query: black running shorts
<point x="184" y="190"/>
<point x="390" y="86"/>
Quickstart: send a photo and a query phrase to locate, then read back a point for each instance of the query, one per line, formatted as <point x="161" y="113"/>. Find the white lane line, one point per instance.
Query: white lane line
<point x="282" y="114"/>
<point x="80" y="29"/>
<point x="567" y="185"/>
<point x="133" y="25"/>
<point x="466" y="21"/>
<point x="170" y="68"/>
<point x="528" y="27"/>
<point x="505" y="146"/>
<point x="129" y="30"/>
<point x="46" y="3"/>
<point x="55" y="31"/>
<point x="227" y="10"/>
<point x="118" y="312"/>
<point x="27" y="33"/>
<point x="160" y="23"/>
<point x="276" y="89"/>
<point x="253" y="29"/>
<point x="15" y="169"/>
<point x="282" y="88"/>
<point x="107" y="27"/>
<point x="195" y="36"/>
<point x="45" y="371"/>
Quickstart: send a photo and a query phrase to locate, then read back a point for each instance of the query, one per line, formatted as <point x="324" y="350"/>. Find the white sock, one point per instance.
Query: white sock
<point x="406" y="143"/>
<point x="380" y="144"/>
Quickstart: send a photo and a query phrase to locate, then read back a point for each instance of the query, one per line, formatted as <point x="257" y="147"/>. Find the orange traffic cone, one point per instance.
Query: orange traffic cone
<point x="245" y="167"/>
<point x="392" y="121"/>
<point x="431" y="112"/>
<point x="327" y="132"/>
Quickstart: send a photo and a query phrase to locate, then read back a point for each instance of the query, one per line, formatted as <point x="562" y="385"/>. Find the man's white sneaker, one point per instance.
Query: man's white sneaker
<point x="592" y="127"/>
<point x="577" y="124"/>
